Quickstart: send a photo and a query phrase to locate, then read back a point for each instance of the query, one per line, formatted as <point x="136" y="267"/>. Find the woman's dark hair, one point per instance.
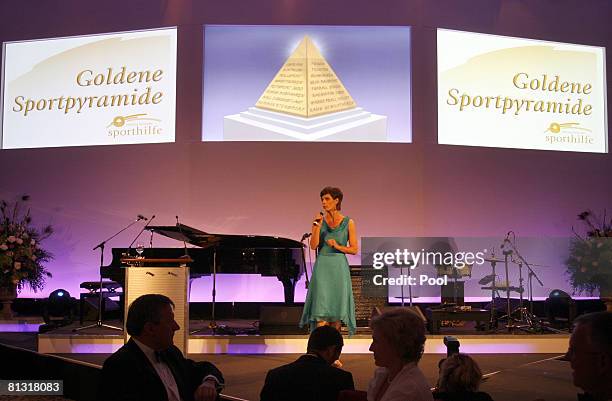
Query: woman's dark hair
<point x="335" y="193"/>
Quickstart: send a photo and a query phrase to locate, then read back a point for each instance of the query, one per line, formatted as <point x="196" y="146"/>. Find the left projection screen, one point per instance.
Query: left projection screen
<point x="106" y="89"/>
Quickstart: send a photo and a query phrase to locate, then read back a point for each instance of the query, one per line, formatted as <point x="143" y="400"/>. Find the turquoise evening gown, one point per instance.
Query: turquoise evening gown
<point x="330" y="293"/>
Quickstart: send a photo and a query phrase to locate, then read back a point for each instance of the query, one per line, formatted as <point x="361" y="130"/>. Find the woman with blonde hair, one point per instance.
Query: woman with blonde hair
<point x="459" y="380"/>
<point x="398" y="341"/>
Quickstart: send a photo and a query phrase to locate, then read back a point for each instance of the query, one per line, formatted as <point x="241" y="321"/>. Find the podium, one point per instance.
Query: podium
<point x="169" y="277"/>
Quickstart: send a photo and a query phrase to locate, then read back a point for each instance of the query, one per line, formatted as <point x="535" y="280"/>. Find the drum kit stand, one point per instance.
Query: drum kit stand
<point x="521" y="318"/>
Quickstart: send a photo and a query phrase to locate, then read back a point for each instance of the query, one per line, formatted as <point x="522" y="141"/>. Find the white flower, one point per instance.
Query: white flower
<point x="33" y="257"/>
<point x="11" y="238"/>
<point x="33" y="242"/>
<point x="19" y="241"/>
<point x="3" y="247"/>
<point x="17" y="265"/>
<point x="25" y="236"/>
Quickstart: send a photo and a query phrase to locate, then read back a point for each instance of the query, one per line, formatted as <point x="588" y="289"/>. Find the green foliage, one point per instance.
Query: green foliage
<point x="589" y="265"/>
<point x="21" y="257"/>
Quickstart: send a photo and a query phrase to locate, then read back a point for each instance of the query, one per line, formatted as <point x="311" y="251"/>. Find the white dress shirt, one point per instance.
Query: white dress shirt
<point x="408" y="385"/>
<point x="163" y="371"/>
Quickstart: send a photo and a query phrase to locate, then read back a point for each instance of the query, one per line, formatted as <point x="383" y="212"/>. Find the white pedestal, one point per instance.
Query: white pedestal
<point x="355" y="125"/>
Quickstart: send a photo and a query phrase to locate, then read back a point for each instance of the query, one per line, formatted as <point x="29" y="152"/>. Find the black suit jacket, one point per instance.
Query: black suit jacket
<point x="127" y="375"/>
<point x="310" y="378"/>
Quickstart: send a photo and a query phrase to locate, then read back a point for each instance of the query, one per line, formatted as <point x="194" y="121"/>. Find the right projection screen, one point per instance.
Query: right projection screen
<point x="504" y="92"/>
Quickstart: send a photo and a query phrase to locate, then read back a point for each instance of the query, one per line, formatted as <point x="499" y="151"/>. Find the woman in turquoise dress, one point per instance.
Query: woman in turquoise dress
<point x="330" y="294"/>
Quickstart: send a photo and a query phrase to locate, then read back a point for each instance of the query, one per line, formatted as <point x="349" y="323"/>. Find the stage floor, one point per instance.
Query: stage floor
<point x="101" y="340"/>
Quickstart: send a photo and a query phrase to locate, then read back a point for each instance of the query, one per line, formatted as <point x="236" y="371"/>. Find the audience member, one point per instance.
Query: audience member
<point x="460" y="378"/>
<point x="149" y="367"/>
<point x="590" y="355"/>
<point x="311" y="377"/>
<point x="398" y="341"/>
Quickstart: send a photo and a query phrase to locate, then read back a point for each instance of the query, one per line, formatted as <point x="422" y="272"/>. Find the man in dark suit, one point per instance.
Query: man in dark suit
<point x="149" y="367"/>
<point x="312" y="377"/>
<point x="590" y="355"/>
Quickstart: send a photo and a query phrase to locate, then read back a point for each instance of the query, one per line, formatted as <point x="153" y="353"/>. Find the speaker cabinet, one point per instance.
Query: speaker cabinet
<point x="281" y="320"/>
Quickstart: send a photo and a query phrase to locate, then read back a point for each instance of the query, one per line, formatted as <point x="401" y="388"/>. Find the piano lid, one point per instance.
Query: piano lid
<point x="181" y="232"/>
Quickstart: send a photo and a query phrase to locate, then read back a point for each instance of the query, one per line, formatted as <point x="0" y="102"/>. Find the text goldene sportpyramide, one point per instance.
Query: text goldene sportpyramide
<point x="306" y="86"/>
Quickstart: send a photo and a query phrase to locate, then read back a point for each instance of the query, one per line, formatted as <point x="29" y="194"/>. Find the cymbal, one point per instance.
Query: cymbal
<point x="534" y="264"/>
<point x="511" y="288"/>
<point x="486" y="279"/>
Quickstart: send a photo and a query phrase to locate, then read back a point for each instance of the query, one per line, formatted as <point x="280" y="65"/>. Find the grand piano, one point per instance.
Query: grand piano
<point x="243" y="254"/>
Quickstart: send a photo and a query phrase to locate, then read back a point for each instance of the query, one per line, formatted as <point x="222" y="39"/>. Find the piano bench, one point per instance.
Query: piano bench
<point x="94" y="286"/>
<point x="109" y="289"/>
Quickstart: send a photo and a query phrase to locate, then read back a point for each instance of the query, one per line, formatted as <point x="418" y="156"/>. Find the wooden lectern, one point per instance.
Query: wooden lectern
<point x="169" y="277"/>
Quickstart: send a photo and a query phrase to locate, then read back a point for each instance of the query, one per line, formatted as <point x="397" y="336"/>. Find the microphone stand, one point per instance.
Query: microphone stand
<point x="99" y="322"/>
<point x="304" y="237"/>
<point x="140" y="233"/>
<point x="532" y="322"/>
<point x="507" y="254"/>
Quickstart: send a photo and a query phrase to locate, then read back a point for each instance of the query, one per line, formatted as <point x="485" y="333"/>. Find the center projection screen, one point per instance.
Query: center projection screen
<point x="307" y="83"/>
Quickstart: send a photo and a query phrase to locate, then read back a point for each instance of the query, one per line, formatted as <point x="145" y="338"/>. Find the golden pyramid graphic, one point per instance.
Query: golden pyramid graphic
<point x="306" y="86"/>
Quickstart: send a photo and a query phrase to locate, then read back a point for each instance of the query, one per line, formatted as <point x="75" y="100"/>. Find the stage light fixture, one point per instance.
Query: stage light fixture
<point x="560" y="309"/>
<point x="58" y="310"/>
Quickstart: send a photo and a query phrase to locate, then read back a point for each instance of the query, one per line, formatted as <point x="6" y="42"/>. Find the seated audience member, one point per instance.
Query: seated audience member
<point x="149" y="367"/>
<point x="311" y="377"/>
<point x="459" y="380"/>
<point x="590" y="355"/>
<point x="398" y="341"/>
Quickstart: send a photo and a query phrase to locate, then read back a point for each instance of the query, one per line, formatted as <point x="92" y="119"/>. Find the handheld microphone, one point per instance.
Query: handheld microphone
<point x="182" y="235"/>
<point x="306" y="235"/>
<point x="317" y="222"/>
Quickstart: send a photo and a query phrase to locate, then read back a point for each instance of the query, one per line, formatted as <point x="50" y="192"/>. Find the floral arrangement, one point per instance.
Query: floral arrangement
<point x="589" y="265"/>
<point x="21" y="257"/>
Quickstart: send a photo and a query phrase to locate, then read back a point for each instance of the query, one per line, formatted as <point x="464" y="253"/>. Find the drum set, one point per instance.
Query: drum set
<point x="521" y="317"/>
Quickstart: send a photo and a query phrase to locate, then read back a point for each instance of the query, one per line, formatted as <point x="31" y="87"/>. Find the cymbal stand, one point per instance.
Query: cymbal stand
<point x="526" y="319"/>
<point x="530" y="276"/>
<point x="100" y="322"/>
<point x="493" y="291"/>
<point x="508" y="315"/>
